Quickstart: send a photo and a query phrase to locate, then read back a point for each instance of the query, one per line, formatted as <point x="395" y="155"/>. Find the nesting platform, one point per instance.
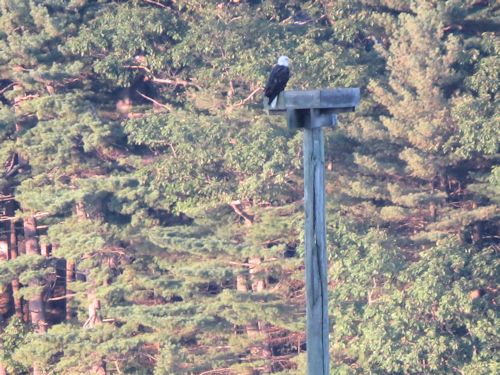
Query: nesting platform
<point x="314" y="108"/>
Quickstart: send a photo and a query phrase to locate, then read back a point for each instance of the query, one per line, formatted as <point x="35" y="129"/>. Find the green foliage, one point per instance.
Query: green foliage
<point x="134" y="132"/>
<point x="438" y="291"/>
<point x="13" y="338"/>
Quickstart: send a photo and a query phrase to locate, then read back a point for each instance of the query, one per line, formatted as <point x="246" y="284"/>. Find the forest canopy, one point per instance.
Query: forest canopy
<point x="151" y="213"/>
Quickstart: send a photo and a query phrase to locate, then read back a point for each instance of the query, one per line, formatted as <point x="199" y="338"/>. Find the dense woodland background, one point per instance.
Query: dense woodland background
<point x="151" y="212"/>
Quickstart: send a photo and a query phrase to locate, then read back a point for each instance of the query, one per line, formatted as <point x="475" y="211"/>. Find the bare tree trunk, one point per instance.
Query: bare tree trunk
<point x="5" y="299"/>
<point x="70" y="265"/>
<point x="70" y="276"/>
<point x="258" y="286"/>
<point x="3" y="371"/>
<point x="94" y="315"/>
<point x="18" y="303"/>
<point x="258" y="282"/>
<point x="257" y="329"/>
<point x="26" y="311"/>
<point x="242" y="282"/>
<point x="94" y="318"/>
<point x="13" y="253"/>
<point x="4" y="309"/>
<point x="36" y="306"/>
<point x="44" y="249"/>
<point x="4" y="250"/>
<point x="99" y="367"/>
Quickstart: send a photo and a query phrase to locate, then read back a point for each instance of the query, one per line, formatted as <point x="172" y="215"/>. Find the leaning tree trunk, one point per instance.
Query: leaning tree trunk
<point x="36" y="304"/>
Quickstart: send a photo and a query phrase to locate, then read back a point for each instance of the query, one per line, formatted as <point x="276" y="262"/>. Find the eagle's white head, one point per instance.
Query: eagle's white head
<point x="283" y="61"/>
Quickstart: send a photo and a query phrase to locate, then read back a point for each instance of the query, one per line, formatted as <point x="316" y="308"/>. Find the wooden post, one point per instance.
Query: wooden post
<point x="312" y="110"/>
<point x="316" y="258"/>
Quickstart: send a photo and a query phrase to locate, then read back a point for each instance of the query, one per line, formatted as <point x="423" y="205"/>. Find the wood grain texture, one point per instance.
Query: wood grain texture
<point x="315" y="246"/>
<point x="336" y="100"/>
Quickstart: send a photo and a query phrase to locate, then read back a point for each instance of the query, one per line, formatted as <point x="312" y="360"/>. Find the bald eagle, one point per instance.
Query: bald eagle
<point x="277" y="80"/>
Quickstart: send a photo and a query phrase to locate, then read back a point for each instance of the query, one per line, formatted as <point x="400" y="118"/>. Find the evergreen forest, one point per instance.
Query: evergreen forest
<point x="151" y="212"/>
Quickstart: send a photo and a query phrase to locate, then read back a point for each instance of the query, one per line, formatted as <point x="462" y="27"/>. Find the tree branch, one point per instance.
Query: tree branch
<point x="157" y="3"/>
<point x="6" y="88"/>
<point x="138" y="67"/>
<point x="219" y="371"/>
<point x="23" y="98"/>
<point x="237" y="207"/>
<point x="168" y="81"/>
<point x="326" y="12"/>
<point x="61" y="297"/>
<point x="249" y="97"/>
<point x="167" y="107"/>
<point x="176" y="82"/>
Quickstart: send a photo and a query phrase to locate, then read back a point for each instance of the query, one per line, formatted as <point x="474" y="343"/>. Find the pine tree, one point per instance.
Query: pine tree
<point x="411" y="177"/>
<point x="170" y="205"/>
<point x="426" y="69"/>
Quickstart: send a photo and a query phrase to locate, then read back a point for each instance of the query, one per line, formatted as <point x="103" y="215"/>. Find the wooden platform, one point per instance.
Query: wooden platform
<point x="314" y="108"/>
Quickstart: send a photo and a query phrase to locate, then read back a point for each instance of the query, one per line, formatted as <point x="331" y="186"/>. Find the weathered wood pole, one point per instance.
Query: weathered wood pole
<point x="312" y="110"/>
<point x="316" y="258"/>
